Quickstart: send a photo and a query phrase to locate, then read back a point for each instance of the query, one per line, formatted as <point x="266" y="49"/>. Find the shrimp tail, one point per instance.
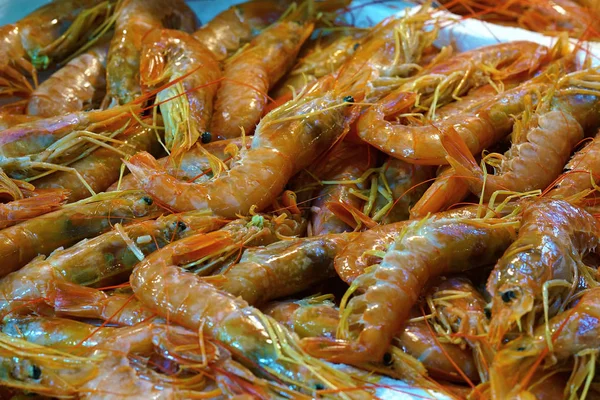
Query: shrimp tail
<point x="460" y="157"/>
<point x="200" y="246"/>
<point x="24" y="209"/>
<point x="69" y="298"/>
<point x="349" y="214"/>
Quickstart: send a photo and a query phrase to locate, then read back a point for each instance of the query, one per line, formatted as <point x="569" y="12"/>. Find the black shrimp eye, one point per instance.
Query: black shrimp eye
<point x="521" y="348"/>
<point x="387" y="359"/>
<point x="349" y="99"/>
<point x="36" y="372"/>
<point x="206" y="137"/>
<point x="488" y="312"/>
<point x="508" y="296"/>
<point x="319" y="386"/>
<point x="148" y="200"/>
<point x="356" y="46"/>
<point x="181" y="226"/>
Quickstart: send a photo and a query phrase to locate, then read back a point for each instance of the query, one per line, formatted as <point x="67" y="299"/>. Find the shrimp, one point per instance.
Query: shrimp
<point x="191" y="74"/>
<point x="574" y="333"/>
<point x="77" y="86"/>
<point x="543" y="266"/>
<point x="135" y="19"/>
<point x="39" y="39"/>
<point x="448" y="189"/>
<point x="103" y="260"/>
<point x="360" y="253"/>
<point x="249" y="75"/>
<point x="346" y="164"/>
<point x="10" y="120"/>
<point x="549" y="133"/>
<point x="485" y="123"/>
<point x="388" y="290"/>
<point x="237" y="25"/>
<point x="580" y="172"/>
<point x="21" y="243"/>
<point x="194" y="165"/>
<point x="101" y="167"/>
<point x="283" y="268"/>
<point x="20" y="210"/>
<point x="165" y="288"/>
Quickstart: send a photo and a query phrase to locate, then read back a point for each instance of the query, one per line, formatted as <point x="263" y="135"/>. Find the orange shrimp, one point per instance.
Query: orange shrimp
<point x="21" y="243"/>
<point x="360" y="253"/>
<point x="10" y="120"/>
<point x="101" y="167"/>
<point x="191" y="73"/>
<point x="194" y="165"/>
<point x="580" y="172"/>
<point x="20" y="210"/>
<point x="346" y="163"/>
<point x="160" y="284"/>
<point x="283" y="268"/>
<point x="250" y="74"/>
<point x="423" y="250"/>
<point x="77" y="86"/>
<point x="135" y="19"/>
<point x="448" y="189"/>
<point x="237" y="25"/>
<point x="39" y="40"/>
<point x="573" y="333"/>
<point x="103" y="260"/>
<point x="549" y="134"/>
<point x="553" y="238"/>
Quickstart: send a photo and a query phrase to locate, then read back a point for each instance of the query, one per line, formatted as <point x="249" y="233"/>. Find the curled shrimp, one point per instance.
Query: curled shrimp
<point x="95" y="172"/>
<point x="249" y="75"/>
<point x="570" y="334"/>
<point x="162" y="286"/>
<point x="102" y="260"/>
<point x="39" y="39"/>
<point x="424" y="249"/>
<point x="484" y="124"/>
<point x="77" y="86"/>
<point x="299" y="263"/>
<point x="135" y="19"/>
<point x="548" y="133"/>
<point x="19" y="244"/>
<point x="190" y="73"/>
<point x="543" y="267"/>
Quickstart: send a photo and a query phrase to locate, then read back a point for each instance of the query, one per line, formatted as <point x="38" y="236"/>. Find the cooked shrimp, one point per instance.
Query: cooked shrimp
<point x="363" y="251"/>
<point x="283" y="268"/>
<point x="39" y="39"/>
<point x="553" y="238"/>
<point x="573" y="333"/>
<point x="424" y="249"/>
<point x="580" y="172"/>
<point x="448" y="189"/>
<point x="542" y="142"/>
<point x="249" y="75"/>
<point x="103" y="260"/>
<point x="165" y="288"/>
<point x="135" y="19"/>
<point x="194" y="165"/>
<point x="345" y="164"/>
<point x="101" y="167"/>
<point x="190" y="73"/>
<point x="77" y="86"/>
<point x="19" y="244"/>
<point x="237" y="25"/>
<point x="20" y="210"/>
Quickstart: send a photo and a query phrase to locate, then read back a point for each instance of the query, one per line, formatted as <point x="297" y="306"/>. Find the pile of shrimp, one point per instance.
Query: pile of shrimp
<point x="277" y="203"/>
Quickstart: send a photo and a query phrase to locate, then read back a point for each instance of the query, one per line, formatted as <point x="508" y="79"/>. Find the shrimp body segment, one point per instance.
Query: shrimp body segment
<point x="170" y="56"/>
<point x="387" y="291"/>
<point x="553" y="238"/>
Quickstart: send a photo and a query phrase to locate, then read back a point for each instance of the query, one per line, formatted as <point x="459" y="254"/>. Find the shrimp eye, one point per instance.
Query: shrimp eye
<point x="148" y="200"/>
<point x="348" y="99"/>
<point x="36" y="372"/>
<point x="487" y="311"/>
<point x="508" y="296"/>
<point x="521" y="348"/>
<point x="206" y="137"/>
<point x="319" y="386"/>
<point x="356" y="46"/>
<point x="181" y="226"/>
<point x="387" y="359"/>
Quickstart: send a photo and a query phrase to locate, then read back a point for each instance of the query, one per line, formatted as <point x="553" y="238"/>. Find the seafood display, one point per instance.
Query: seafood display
<point x="290" y="200"/>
